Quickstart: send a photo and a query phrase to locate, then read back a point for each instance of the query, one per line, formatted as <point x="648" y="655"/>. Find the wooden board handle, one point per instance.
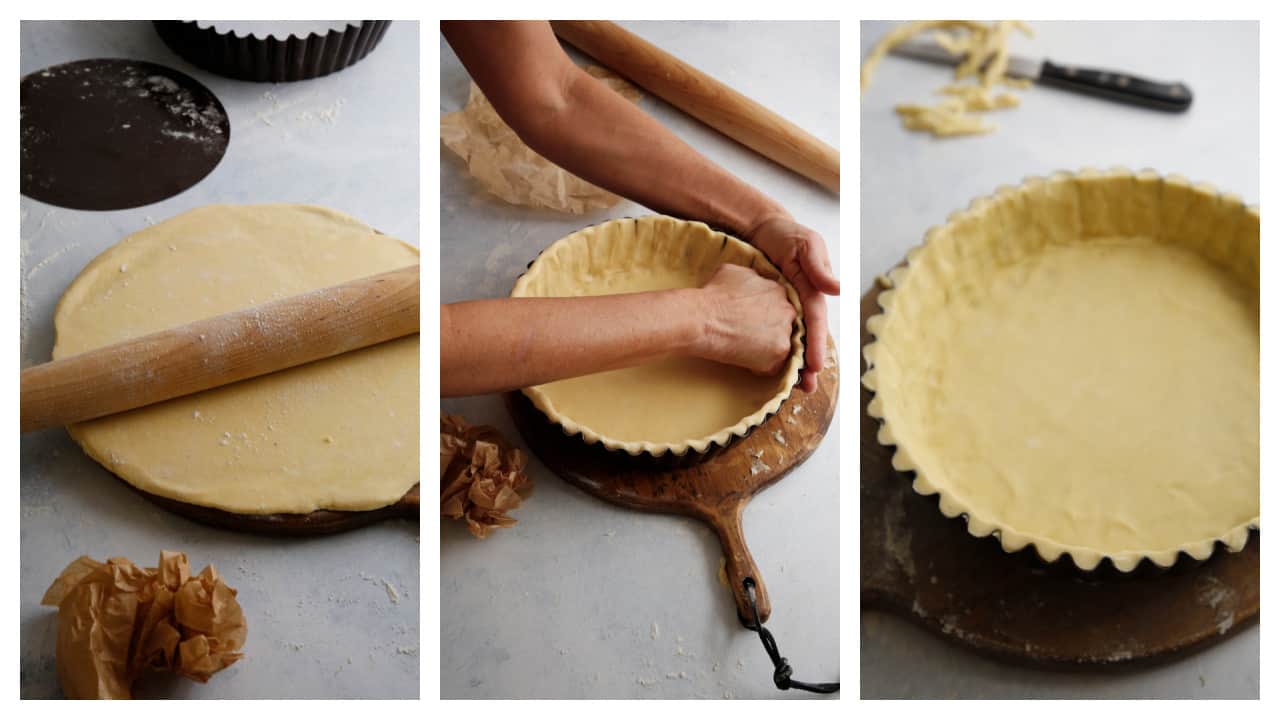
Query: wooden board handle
<point x="739" y="565"/>
<point x="705" y="98"/>
<point x="221" y="350"/>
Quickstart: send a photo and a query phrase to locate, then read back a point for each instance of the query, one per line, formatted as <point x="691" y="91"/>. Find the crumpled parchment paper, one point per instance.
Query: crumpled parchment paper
<point x="481" y="475"/>
<point x="116" y="619"/>
<point x="506" y="167"/>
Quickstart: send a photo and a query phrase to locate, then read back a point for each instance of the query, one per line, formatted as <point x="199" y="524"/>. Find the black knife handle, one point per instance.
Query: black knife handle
<point x="1170" y="97"/>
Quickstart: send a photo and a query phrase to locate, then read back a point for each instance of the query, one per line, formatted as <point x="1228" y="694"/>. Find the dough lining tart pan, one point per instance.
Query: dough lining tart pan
<point x="1072" y="365"/>
<point x="673" y="412"/>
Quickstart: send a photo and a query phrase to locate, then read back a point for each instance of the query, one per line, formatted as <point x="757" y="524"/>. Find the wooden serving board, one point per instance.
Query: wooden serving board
<point x="319" y="522"/>
<point x="714" y="491"/>
<point x="920" y="564"/>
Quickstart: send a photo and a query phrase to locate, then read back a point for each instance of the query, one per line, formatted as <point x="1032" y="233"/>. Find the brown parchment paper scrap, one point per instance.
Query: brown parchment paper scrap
<point x="116" y="619"/>
<point x="506" y="167"/>
<point x="481" y="475"/>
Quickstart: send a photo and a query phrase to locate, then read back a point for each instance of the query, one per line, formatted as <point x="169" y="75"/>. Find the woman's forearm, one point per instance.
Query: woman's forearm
<point x="599" y="136"/>
<point x="503" y="344"/>
<point x="578" y="123"/>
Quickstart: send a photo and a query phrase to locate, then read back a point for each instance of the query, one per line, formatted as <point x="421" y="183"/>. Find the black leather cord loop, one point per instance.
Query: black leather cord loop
<point x="781" y="669"/>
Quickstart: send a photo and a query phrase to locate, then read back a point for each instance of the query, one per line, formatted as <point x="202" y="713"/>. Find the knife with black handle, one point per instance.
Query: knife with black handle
<point x="1117" y="86"/>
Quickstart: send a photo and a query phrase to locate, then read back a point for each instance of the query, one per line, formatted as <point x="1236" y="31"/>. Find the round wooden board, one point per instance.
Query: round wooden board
<point x="319" y="522"/>
<point x="714" y="491"/>
<point x="922" y="565"/>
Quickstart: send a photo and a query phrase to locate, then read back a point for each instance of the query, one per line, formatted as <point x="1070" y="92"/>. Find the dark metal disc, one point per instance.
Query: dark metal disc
<point x="109" y="134"/>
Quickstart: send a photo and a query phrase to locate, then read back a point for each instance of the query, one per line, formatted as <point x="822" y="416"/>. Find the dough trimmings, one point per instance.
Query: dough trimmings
<point x="985" y="52"/>
<point x="338" y="434"/>
<point x="672" y="406"/>
<point x="1073" y="364"/>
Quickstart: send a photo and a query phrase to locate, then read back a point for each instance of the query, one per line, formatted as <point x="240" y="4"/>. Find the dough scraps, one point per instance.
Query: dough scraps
<point x="116" y="620"/>
<point x="986" y="58"/>
<point x="338" y="434"/>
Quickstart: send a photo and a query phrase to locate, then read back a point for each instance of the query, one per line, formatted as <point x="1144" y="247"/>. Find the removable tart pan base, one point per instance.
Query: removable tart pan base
<point x="113" y="134"/>
<point x="714" y="491"/>
<point x="919" y="564"/>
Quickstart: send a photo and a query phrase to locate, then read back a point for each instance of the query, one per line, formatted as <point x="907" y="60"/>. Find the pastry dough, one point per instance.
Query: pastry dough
<point x="984" y="53"/>
<point x="339" y="434"/>
<point x="672" y="405"/>
<point x="1074" y="363"/>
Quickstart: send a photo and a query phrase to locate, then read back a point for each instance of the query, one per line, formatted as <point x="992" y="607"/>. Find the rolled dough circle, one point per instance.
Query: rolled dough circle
<point x="338" y="434"/>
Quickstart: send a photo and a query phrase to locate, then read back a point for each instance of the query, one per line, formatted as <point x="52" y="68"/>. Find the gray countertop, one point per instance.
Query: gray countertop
<point x="584" y="599"/>
<point x="328" y="617"/>
<point x="911" y="181"/>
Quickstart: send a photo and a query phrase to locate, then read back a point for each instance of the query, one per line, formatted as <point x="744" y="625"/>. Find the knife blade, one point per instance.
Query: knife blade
<point x="1117" y="86"/>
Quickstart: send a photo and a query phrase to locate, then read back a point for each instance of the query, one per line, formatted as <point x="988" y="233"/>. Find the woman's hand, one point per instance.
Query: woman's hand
<point x="747" y="320"/>
<point x="737" y="317"/>
<point x="801" y="255"/>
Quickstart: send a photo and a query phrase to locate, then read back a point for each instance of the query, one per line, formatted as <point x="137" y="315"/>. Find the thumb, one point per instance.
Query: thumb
<point x="814" y="262"/>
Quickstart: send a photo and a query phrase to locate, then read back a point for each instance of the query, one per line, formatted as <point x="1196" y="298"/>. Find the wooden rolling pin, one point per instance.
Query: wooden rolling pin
<point x="705" y="98"/>
<point x="221" y="350"/>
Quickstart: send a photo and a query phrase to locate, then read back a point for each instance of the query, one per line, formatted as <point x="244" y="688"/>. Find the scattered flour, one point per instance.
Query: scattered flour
<point x="304" y="109"/>
<point x="897" y="536"/>
<point x="1213" y="593"/>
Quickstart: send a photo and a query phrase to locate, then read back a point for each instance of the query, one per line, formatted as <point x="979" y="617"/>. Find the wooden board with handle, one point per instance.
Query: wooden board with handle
<point x="714" y="491"/>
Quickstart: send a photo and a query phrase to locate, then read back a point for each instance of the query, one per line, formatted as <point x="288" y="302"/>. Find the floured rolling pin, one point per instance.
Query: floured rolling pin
<point x="705" y="98"/>
<point x="221" y="350"/>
